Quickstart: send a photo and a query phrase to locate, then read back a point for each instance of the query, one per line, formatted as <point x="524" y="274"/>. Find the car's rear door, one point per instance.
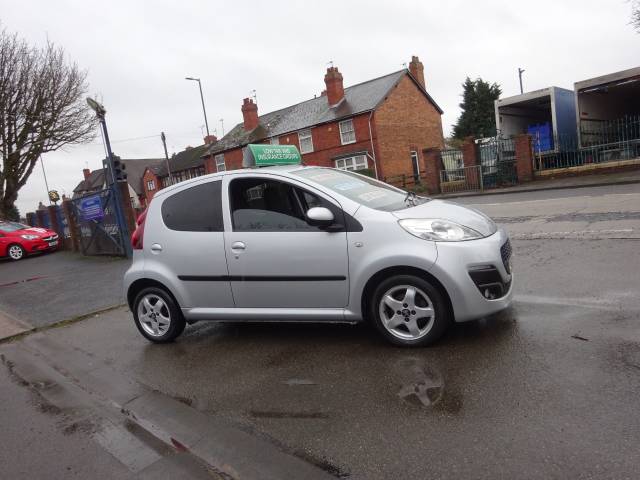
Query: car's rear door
<point x="184" y="245"/>
<point x="275" y="258"/>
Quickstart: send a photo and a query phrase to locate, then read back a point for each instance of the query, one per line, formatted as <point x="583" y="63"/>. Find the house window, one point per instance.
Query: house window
<point x="275" y="141"/>
<point x="220" y="167"/>
<point x="151" y="185"/>
<point x="415" y="164"/>
<point x="347" y="132"/>
<point x="357" y="162"/>
<point x="306" y="143"/>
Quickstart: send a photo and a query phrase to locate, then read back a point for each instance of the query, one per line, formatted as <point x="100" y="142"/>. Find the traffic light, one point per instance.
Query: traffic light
<point x="119" y="168"/>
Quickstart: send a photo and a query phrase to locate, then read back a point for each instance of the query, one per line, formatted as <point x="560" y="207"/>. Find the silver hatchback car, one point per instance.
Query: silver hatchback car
<point x="313" y="244"/>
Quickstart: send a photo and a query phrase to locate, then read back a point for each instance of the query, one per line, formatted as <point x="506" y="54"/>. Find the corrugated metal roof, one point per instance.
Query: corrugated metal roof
<point x="359" y="98"/>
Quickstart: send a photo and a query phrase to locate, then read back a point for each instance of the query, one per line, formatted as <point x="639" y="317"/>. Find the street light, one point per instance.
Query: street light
<point x="206" y="123"/>
<point x="122" y="224"/>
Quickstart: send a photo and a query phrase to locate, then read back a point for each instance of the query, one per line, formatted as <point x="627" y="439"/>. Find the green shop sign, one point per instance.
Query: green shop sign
<point x="265" y="155"/>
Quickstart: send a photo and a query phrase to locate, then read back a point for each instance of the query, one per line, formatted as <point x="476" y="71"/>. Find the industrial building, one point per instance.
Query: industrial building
<point x="548" y="115"/>
<point x="608" y="109"/>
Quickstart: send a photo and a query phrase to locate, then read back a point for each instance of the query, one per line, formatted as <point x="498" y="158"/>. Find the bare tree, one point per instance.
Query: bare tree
<point x="42" y="109"/>
<point x="635" y="14"/>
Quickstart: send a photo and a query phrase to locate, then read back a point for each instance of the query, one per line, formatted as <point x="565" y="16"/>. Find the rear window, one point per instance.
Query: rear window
<point x="196" y="209"/>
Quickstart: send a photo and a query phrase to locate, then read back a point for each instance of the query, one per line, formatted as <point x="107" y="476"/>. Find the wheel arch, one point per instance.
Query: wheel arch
<point x="377" y="277"/>
<point x="138" y="285"/>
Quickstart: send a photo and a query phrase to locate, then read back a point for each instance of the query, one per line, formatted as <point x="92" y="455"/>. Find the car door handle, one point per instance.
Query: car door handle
<point x="238" y="246"/>
<point x="156" y="248"/>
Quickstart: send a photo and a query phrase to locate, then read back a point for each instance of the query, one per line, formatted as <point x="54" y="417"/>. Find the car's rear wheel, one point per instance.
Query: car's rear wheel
<point x="409" y="311"/>
<point x="157" y="315"/>
<point x="16" y="252"/>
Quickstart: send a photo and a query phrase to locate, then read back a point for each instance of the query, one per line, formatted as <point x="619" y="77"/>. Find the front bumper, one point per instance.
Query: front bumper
<point x="42" y="244"/>
<point x="479" y="282"/>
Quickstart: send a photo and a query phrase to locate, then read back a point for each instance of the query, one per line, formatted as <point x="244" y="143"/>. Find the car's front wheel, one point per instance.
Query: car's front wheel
<point x="16" y="252"/>
<point x="409" y="311"/>
<point x="157" y="315"/>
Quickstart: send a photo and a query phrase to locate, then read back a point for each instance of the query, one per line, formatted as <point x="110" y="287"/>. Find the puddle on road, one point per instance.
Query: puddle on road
<point x="421" y="383"/>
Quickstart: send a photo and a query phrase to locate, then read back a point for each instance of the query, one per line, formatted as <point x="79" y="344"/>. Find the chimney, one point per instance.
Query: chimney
<point x="86" y="172"/>
<point x="417" y="70"/>
<point x="250" y="114"/>
<point x="335" y="90"/>
<point x="210" y="139"/>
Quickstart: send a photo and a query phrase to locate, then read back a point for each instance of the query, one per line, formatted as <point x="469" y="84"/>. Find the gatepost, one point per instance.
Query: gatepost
<point x="127" y="208"/>
<point x="524" y="157"/>
<point x="40" y="221"/>
<point x="433" y="166"/>
<point x="470" y="152"/>
<point x="67" y="209"/>
<point x="55" y="224"/>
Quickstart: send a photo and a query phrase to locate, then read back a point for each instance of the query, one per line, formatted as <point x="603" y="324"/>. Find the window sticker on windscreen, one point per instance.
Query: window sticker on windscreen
<point x="348" y="185"/>
<point x="370" y="196"/>
<point x="321" y="177"/>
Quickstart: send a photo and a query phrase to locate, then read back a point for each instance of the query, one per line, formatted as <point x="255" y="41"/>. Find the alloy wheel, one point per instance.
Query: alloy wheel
<point x="154" y="315"/>
<point x="16" y="252"/>
<point x="406" y="312"/>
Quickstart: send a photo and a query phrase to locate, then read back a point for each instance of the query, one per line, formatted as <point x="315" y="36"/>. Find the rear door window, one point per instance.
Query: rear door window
<point x="196" y="209"/>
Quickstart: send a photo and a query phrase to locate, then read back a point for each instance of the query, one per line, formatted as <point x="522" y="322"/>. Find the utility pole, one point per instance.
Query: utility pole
<point x="46" y="184"/>
<point x="166" y="156"/>
<point x="520" y="72"/>
<point x="222" y="125"/>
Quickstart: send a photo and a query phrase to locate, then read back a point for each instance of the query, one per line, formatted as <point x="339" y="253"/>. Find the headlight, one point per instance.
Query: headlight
<point x="438" y="230"/>
<point x="29" y="237"/>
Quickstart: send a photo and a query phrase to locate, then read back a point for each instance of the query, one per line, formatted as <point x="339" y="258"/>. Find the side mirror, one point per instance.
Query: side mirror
<point x="320" y="217"/>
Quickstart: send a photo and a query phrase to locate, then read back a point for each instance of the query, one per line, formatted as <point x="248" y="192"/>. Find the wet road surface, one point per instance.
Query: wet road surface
<point x="45" y="289"/>
<point x="547" y="389"/>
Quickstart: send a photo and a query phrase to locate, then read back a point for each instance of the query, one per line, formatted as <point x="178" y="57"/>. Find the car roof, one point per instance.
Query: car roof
<point x="284" y="170"/>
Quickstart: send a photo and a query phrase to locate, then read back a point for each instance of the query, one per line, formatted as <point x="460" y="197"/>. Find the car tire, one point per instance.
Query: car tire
<point x="15" y="252"/>
<point x="409" y="311"/>
<point x="157" y="315"/>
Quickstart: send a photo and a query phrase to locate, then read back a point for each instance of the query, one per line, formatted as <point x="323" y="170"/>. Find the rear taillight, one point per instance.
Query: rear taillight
<point x="138" y="235"/>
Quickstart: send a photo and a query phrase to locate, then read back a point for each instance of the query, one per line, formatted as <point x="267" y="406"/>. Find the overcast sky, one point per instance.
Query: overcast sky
<point x="138" y="54"/>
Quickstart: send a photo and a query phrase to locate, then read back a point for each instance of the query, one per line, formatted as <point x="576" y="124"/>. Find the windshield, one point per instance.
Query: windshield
<point x="361" y="189"/>
<point x="12" y="226"/>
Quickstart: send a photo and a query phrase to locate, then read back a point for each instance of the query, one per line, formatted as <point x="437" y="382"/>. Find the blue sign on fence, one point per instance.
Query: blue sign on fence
<point x="91" y="208"/>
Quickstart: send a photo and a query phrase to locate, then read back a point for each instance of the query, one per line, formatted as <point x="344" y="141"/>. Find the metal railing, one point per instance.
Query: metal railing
<point x="600" y="141"/>
<point x="463" y="179"/>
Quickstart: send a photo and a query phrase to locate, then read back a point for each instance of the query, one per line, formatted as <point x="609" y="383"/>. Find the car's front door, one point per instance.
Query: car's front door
<point x="275" y="258"/>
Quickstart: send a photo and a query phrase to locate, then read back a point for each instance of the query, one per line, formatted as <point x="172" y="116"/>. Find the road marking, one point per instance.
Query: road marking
<point x="30" y="279"/>
<point x="575" y="233"/>
<point x="555" y="199"/>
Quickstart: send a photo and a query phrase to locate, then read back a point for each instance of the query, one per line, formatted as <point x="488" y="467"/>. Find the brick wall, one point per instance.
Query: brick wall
<point x="326" y="145"/>
<point x="406" y="121"/>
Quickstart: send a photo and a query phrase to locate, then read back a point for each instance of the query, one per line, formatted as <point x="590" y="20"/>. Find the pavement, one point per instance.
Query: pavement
<point x="546" y="389"/>
<point x="561" y="183"/>
<point x="42" y="290"/>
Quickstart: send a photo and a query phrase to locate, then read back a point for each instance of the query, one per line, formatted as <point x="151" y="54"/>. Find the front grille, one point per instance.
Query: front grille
<point x="505" y="253"/>
<point x="50" y="238"/>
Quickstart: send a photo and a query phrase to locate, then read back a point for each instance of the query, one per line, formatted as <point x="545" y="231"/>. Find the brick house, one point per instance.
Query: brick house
<point x="184" y="165"/>
<point x="94" y="181"/>
<point x="382" y="125"/>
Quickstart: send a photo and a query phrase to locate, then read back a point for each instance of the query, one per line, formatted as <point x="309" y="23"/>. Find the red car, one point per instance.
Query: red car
<point x="18" y="240"/>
